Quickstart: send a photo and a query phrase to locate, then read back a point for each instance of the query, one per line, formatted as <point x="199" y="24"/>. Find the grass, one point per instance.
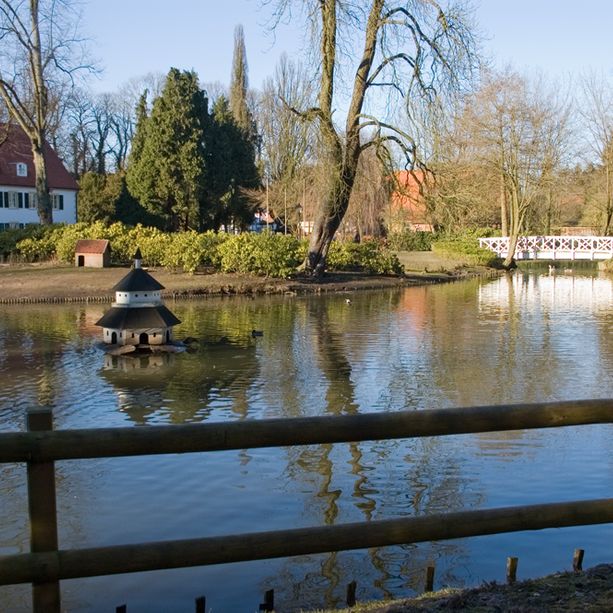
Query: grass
<point x="590" y="591"/>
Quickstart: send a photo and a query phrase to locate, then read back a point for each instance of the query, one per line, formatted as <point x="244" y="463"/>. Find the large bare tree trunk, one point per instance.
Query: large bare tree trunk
<point x="43" y="198"/>
<point x="327" y="222"/>
<point x="343" y="158"/>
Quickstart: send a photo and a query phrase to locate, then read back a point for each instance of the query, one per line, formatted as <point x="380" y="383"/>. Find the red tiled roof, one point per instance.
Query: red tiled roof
<point x="91" y="246"/>
<point x="17" y="148"/>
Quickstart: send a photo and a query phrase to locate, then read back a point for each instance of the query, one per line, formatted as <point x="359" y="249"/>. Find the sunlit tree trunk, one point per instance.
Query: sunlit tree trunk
<point x="45" y="213"/>
<point x="341" y="161"/>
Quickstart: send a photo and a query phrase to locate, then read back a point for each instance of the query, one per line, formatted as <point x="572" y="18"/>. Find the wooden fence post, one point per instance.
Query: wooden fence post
<point x="269" y="601"/>
<point x="43" y="514"/>
<point x="511" y="570"/>
<point x="201" y="604"/>
<point x="351" y="588"/>
<point x="578" y="560"/>
<point x="429" y="578"/>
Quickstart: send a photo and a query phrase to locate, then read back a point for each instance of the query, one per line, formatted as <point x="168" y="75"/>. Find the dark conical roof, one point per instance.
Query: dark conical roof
<point x="138" y="280"/>
<point x="141" y="317"/>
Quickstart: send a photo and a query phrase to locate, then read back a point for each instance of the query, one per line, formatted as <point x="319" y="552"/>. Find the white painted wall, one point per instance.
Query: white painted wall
<point x="157" y="336"/>
<point x="138" y="299"/>
<point x="30" y="216"/>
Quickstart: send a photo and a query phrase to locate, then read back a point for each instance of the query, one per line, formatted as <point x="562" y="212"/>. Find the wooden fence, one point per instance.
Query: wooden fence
<point x="41" y="446"/>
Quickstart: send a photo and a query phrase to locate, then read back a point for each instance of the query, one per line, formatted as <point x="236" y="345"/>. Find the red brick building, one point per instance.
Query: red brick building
<point x="407" y="202"/>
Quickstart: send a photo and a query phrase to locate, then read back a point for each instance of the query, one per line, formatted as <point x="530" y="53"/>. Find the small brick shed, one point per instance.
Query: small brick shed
<point x="92" y="253"/>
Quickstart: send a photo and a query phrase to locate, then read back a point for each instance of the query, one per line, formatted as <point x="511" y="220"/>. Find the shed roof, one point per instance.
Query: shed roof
<point x="138" y="280"/>
<point x="142" y="317"/>
<point x="16" y="148"/>
<point x="92" y="246"/>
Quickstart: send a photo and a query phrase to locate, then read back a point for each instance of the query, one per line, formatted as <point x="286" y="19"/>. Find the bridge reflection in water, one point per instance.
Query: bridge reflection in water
<point x="562" y="291"/>
<point x="553" y="247"/>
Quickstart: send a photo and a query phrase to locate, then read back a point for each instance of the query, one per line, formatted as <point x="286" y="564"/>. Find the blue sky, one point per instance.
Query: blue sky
<point x="132" y="37"/>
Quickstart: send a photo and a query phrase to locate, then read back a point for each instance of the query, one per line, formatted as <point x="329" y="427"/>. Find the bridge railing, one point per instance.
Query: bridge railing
<point x="553" y="247"/>
<point x="41" y="446"/>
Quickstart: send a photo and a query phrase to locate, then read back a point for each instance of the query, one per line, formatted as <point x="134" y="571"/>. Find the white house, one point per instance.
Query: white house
<point x="17" y="186"/>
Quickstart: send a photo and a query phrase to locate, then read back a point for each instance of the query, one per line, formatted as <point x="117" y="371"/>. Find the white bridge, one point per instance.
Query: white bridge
<point x="553" y="247"/>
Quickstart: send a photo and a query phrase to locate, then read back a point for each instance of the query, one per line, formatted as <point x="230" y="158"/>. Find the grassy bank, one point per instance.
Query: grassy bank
<point x="590" y="591"/>
<point x="54" y="282"/>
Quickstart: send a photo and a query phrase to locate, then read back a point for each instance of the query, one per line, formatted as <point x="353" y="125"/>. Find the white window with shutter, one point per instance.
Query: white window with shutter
<point x="57" y="202"/>
<point x="13" y="200"/>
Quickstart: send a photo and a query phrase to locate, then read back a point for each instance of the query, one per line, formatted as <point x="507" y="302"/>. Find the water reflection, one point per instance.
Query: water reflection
<point x="184" y="388"/>
<point x="519" y="338"/>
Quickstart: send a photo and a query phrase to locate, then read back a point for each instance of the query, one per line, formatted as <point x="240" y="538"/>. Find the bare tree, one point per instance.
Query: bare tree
<point x="122" y="124"/>
<point x="518" y="130"/>
<point x="598" y="119"/>
<point x="407" y="48"/>
<point x="78" y="126"/>
<point x="40" y="52"/>
<point x="369" y="198"/>
<point x="286" y="141"/>
<point x="123" y="114"/>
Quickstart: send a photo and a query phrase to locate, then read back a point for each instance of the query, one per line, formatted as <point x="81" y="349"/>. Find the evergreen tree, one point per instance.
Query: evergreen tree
<point x="166" y="170"/>
<point x="106" y="198"/>
<point x="138" y="139"/>
<point x="239" y="84"/>
<point x="95" y="201"/>
<point x="231" y="169"/>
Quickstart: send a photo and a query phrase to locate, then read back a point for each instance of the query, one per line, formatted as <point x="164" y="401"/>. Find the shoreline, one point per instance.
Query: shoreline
<point x="588" y="590"/>
<point x="53" y="283"/>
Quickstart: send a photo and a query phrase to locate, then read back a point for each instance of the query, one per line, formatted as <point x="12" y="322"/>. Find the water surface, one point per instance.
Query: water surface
<point x="522" y="338"/>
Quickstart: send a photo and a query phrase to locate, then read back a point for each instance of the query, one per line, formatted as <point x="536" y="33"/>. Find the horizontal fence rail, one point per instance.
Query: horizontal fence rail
<point x="114" y="442"/>
<point x="70" y="564"/>
<point x="41" y="446"/>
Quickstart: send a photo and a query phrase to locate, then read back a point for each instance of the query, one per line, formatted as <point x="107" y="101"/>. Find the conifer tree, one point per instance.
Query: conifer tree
<point x="240" y="83"/>
<point x="166" y="171"/>
<point x="231" y="169"/>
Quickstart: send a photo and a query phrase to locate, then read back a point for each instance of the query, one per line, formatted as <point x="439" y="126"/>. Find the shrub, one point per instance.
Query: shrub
<point x="465" y="248"/>
<point x="368" y="256"/>
<point x="10" y="239"/>
<point x="36" y="249"/>
<point x="408" y="240"/>
<point x="190" y="250"/>
<point x="266" y="253"/>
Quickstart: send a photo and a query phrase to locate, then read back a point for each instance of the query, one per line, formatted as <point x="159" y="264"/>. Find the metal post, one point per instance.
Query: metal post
<point x="43" y="514"/>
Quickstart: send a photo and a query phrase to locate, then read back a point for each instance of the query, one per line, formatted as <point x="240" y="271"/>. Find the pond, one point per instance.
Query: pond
<point x="519" y="338"/>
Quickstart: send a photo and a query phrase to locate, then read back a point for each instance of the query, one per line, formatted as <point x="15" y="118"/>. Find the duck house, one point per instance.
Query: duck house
<point x="93" y="253"/>
<point x="138" y="318"/>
